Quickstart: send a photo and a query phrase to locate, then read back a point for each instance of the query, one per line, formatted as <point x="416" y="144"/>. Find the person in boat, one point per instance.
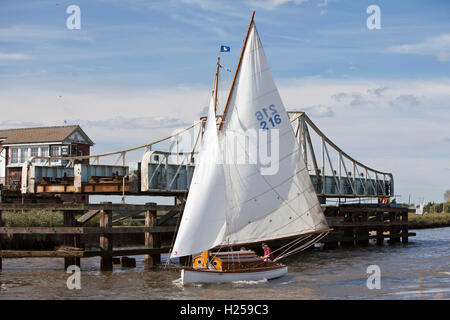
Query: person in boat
<point x="268" y="255"/>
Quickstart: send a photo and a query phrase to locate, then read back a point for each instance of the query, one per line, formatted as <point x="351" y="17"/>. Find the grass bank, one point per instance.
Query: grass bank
<point x="428" y="220"/>
<point x="43" y="218"/>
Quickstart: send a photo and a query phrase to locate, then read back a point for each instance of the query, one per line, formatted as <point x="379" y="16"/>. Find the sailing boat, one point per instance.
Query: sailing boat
<point x="230" y="203"/>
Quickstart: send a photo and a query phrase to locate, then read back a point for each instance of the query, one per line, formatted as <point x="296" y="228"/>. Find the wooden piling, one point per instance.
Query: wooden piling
<point x="380" y="228"/>
<point x="394" y="230"/>
<point x="349" y="240"/>
<point x="71" y="240"/>
<point x="151" y="239"/>
<point x="106" y="243"/>
<point x="126" y="262"/>
<point x="0" y="239"/>
<point x="405" y="228"/>
<point x="362" y="233"/>
<point x="331" y="241"/>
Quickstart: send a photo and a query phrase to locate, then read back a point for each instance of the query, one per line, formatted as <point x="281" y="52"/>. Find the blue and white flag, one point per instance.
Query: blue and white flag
<point x="224" y="49"/>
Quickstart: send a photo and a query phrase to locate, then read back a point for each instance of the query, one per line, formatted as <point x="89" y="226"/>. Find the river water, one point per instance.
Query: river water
<point x="418" y="270"/>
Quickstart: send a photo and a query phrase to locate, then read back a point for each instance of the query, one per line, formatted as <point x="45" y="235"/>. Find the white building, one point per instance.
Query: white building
<point x="17" y="145"/>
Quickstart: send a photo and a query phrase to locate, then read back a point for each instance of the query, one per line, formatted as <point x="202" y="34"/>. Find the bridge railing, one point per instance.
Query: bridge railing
<point x="341" y="175"/>
<point x="169" y="170"/>
<point x="333" y="172"/>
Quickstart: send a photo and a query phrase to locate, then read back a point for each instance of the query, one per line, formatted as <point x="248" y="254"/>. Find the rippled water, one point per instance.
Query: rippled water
<point x="418" y="270"/>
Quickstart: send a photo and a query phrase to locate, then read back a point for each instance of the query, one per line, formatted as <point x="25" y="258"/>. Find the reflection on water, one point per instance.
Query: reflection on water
<point x="418" y="270"/>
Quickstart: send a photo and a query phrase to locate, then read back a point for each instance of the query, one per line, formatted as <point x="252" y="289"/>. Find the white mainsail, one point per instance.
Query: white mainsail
<point x="204" y="212"/>
<point x="263" y="206"/>
<point x="231" y="202"/>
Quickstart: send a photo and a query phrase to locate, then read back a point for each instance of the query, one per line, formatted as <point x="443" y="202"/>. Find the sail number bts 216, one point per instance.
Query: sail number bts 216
<point x="268" y="117"/>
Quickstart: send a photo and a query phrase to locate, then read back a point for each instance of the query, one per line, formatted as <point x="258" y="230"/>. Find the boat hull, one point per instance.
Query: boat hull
<point x="212" y="276"/>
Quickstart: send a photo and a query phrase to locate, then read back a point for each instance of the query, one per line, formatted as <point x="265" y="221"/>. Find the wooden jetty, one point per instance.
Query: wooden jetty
<point x="73" y="228"/>
<point x="353" y="225"/>
<point x="356" y="225"/>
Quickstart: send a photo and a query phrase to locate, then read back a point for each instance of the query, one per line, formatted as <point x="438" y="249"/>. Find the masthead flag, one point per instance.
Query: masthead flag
<point x="224" y="49"/>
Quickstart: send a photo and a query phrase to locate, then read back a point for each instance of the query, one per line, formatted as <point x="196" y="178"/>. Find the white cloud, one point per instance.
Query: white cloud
<point x="438" y="46"/>
<point x="319" y="111"/>
<point x="37" y="33"/>
<point x="14" y="56"/>
<point x="8" y="124"/>
<point x="128" y="117"/>
<point x="127" y="123"/>
<point x="378" y="92"/>
<point x="273" y="4"/>
<point x="407" y="100"/>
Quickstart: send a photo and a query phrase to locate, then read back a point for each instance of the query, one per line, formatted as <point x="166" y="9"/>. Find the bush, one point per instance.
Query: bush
<point x="35" y="218"/>
<point x="42" y="218"/>
<point x="429" y="218"/>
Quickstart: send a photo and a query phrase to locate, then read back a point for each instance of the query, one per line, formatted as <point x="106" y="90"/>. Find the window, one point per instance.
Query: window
<point x="23" y="155"/>
<point x="54" y="151"/>
<point x="44" y="153"/>
<point x="34" y="152"/>
<point x="14" y="155"/>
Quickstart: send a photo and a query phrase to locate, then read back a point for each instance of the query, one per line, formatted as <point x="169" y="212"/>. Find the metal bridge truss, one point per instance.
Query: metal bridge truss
<point x="337" y="174"/>
<point x="170" y="172"/>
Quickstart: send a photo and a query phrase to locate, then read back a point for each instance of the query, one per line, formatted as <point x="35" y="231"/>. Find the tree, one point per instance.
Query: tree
<point x="447" y="195"/>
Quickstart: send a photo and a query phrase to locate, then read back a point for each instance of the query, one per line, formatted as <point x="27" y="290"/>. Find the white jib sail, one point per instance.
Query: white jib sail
<point x="263" y="201"/>
<point x="204" y="212"/>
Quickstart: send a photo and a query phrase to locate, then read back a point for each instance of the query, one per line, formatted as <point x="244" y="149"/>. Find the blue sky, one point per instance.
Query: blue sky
<point x="167" y="42"/>
<point x="137" y="70"/>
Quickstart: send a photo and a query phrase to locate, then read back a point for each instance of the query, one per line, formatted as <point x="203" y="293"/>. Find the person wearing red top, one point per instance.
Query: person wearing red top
<point x="268" y="255"/>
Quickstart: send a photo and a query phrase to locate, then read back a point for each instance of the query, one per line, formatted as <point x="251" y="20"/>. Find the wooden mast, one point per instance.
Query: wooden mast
<point x="237" y="70"/>
<point x="205" y="254"/>
<point x="216" y="85"/>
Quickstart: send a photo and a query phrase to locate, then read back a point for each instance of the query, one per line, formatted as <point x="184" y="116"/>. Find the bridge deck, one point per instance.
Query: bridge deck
<point x="333" y="174"/>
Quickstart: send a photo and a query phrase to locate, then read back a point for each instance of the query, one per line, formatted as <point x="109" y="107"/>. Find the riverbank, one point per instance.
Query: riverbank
<point x="428" y="220"/>
<point x="42" y="218"/>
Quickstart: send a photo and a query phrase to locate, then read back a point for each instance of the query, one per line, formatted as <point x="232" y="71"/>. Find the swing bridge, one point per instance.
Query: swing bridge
<point x="333" y="172"/>
<point x="159" y="172"/>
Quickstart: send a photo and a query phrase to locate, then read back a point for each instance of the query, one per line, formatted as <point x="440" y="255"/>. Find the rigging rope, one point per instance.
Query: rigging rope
<point x="304" y="246"/>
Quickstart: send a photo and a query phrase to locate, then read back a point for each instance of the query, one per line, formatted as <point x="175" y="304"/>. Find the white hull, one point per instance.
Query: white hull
<point x="207" y="276"/>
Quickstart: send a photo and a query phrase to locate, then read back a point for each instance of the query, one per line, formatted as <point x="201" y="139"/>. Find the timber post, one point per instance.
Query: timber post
<point x="0" y="239"/>
<point x="394" y="234"/>
<point x="106" y="245"/>
<point x="363" y="230"/>
<point x="71" y="240"/>
<point x="380" y="228"/>
<point x="405" y="228"/>
<point x="151" y="239"/>
<point x="349" y="236"/>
